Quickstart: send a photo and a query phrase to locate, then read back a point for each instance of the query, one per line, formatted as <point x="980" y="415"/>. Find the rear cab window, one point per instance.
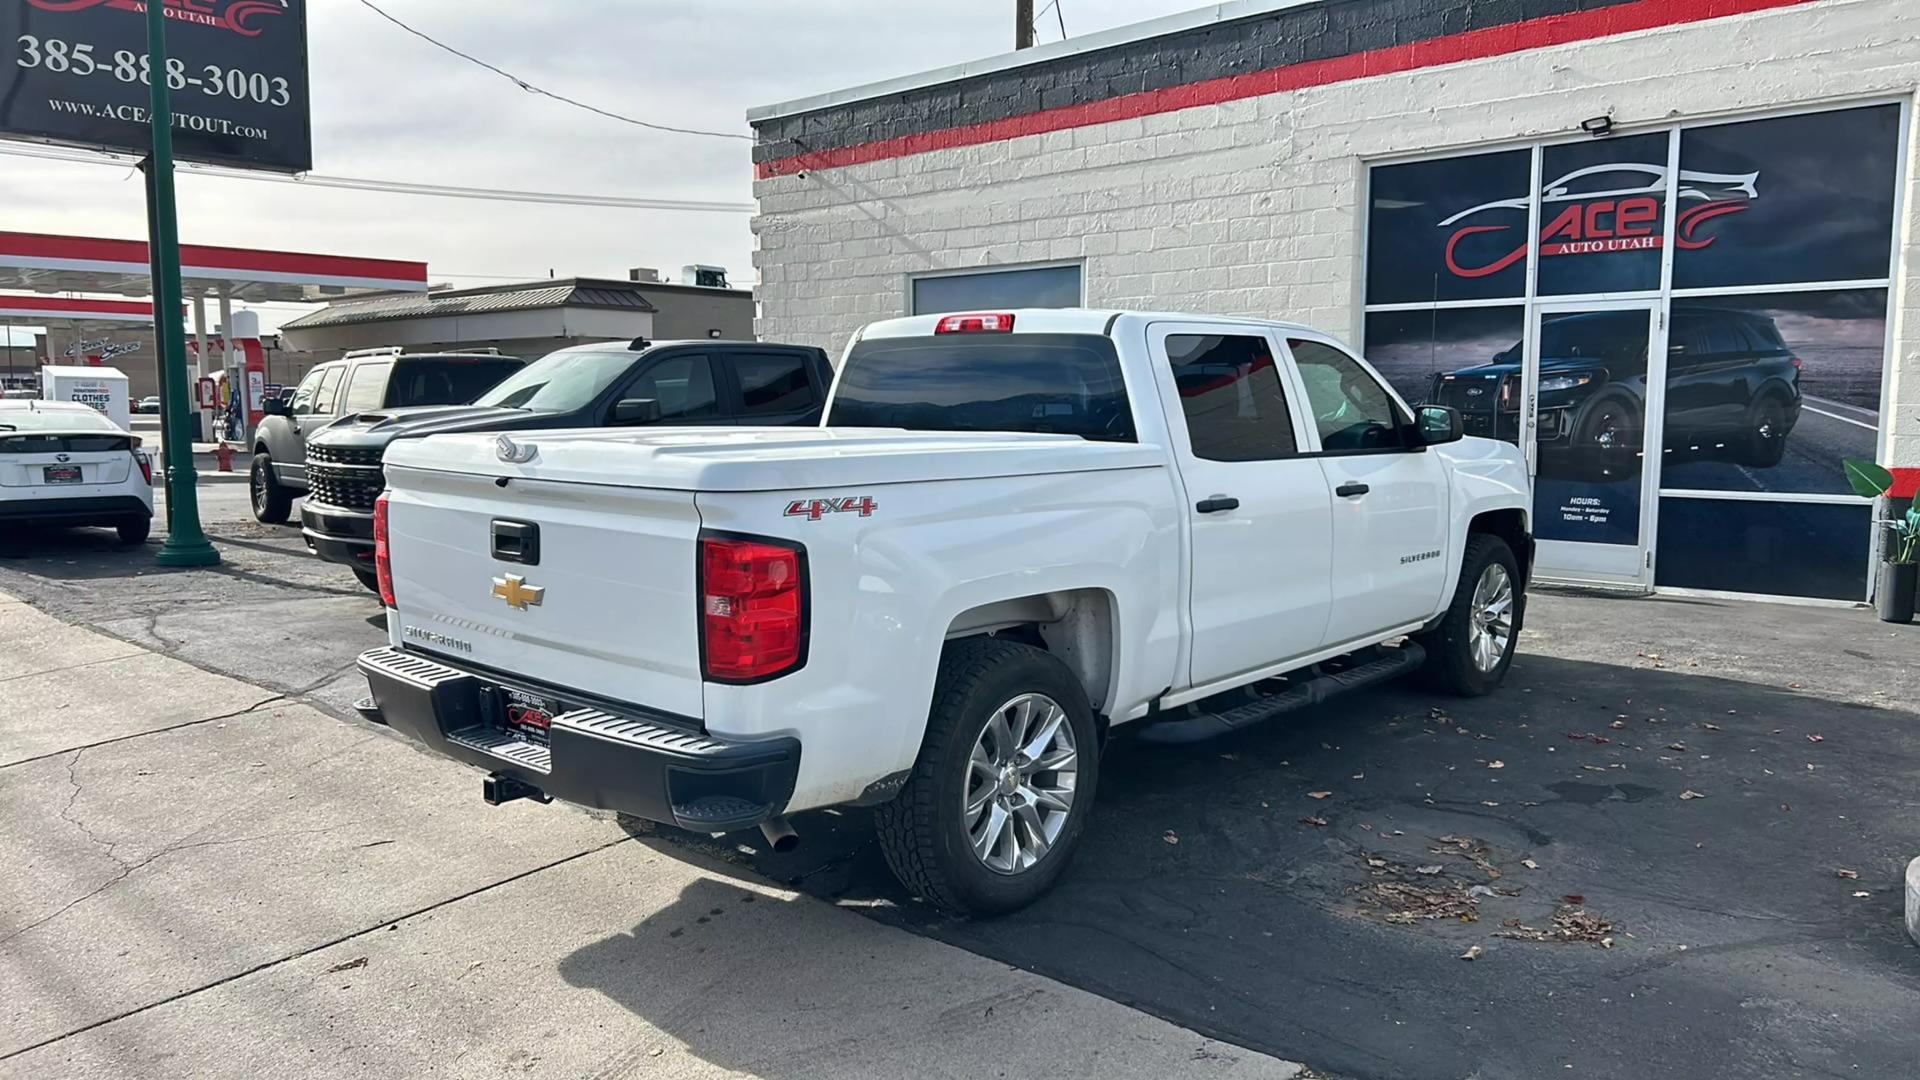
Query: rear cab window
<point x="1058" y="384"/>
<point x="445" y="380"/>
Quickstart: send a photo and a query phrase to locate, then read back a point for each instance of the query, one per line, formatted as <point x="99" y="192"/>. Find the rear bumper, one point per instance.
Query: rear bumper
<point x="631" y="764"/>
<point x="336" y="534"/>
<point x="91" y="510"/>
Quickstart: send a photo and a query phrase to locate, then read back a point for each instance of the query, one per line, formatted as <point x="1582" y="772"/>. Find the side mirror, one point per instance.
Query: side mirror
<point x="1437" y="424"/>
<point x="636" y="411"/>
<point x="277" y="406"/>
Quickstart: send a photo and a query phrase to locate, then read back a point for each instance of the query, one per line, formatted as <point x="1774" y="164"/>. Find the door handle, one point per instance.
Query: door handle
<point x="1217" y="504"/>
<point x="1346" y="490"/>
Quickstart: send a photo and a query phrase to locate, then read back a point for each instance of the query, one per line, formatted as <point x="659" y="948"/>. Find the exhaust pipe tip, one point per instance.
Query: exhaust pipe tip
<point x="779" y="835"/>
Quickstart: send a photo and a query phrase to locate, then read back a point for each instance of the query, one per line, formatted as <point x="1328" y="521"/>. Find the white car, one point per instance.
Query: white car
<point x="1016" y="532"/>
<point x="62" y="463"/>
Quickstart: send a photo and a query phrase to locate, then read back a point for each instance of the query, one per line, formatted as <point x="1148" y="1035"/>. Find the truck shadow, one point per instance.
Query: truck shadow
<point x="1307" y="888"/>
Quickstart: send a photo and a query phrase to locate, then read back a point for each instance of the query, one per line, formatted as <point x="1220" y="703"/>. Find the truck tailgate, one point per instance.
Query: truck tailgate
<point x="605" y="607"/>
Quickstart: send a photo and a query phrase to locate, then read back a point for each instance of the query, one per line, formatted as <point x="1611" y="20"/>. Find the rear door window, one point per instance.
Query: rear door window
<point x="1068" y="384"/>
<point x="1230" y="391"/>
<point x="772" y="383"/>
<point x="366" y="387"/>
<point x="324" y="398"/>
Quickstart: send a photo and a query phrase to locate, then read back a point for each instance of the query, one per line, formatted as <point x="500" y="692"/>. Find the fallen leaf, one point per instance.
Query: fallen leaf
<point x="356" y="962"/>
<point x="1170" y="837"/>
<point x="1472" y="953"/>
<point x="1488" y="802"/>
<point x="1318" y="794"/>
<point x="1529" y="864"/>
<point x="1376" y="863"/>
<point x="1850" y="875"/>
<point x="1359" y="776"/>
<point x="1711" y="727"/>
<point x="1496" y="764"/>
<point x="1816" y="738"/>
<point x="1575" y="899"/>
<point x="1682" y="747"/>
<point x="1229" y="757"/>
<point x="1429" y="870"/>
<point x="1618" y="725"/>
<point x="1318" y="822"/>
<point x="1793" y="686"/>
<point x="1606" y="943"/>
<point x="1691" y="794"/>
<point x="1861" y="894"/>
<point x="1594" y="768"/>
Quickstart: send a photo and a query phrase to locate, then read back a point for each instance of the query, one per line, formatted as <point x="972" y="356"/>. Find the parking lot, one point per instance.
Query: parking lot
<point x="1672" y="846"/>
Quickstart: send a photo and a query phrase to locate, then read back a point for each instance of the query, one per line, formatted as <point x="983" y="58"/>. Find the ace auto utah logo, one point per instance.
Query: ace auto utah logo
<point x="242" y="17"/>
<point x="1603" y="209"/>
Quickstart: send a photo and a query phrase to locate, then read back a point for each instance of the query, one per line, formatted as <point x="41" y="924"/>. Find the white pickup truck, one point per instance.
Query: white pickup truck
<point x="1016" y="534"/>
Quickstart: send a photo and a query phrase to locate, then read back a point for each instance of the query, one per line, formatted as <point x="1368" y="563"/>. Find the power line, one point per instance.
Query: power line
<point x="532" y="89"/>
<point x="398" y="187"/>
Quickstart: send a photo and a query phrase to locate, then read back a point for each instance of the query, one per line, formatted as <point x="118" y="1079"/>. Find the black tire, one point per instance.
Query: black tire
<point x="1450" y="664"/>
<point x="369" y="578"/>
<point x="924" y="832"/>
<point x="272" y="504"/>
<point x="1766" y="441"/>
<point x="135" y="530"/>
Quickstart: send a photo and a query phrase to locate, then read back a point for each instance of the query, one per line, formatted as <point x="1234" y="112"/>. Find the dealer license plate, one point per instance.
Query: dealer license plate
<point x="63" y="474"/>
<point x="529" y="716"/>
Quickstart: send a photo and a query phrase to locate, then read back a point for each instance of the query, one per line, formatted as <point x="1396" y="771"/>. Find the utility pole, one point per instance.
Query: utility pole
<point x="186" y="545"/>
<point x="1023" y="24"/>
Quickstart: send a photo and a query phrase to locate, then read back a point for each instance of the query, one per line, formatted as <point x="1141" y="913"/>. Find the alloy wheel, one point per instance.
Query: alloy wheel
<point x="1492" y="630"/>
<point x="1020" y="783"/>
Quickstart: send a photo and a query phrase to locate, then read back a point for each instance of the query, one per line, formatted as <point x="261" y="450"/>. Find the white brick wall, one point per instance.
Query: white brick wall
<point x="1252" y="207"/>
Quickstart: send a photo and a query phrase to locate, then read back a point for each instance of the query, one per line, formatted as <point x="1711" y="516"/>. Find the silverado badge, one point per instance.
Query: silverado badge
<point x="517" y="593"/>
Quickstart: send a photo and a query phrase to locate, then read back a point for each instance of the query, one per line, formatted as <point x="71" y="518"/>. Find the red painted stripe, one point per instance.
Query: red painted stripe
<point x="76" y="306"/>
<point x="1906" y="484"/>
<point x="223" y="261"/>
<point x="1455" y="48"/>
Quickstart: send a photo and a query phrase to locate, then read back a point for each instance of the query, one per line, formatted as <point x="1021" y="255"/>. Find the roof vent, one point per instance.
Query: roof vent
<point x="707" y="277"/>
<point x="646" y="275"/>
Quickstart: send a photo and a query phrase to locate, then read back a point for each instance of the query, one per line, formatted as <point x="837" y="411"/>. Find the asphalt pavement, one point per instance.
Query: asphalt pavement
<point x="1673" y="844"/>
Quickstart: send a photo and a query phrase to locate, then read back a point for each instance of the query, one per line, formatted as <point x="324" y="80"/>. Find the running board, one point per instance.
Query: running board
<point x="1391" y="664"/>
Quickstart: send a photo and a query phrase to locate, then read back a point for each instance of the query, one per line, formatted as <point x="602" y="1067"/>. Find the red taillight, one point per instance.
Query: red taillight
<point x="1797" y="365"/>
<point x="382" y="553"/>
<point x="975" y="324"/>
<point x="753" y="608"/>
<point x="146" y="465"/>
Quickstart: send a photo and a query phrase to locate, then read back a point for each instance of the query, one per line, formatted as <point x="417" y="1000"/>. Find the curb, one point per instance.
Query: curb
<point x="1913" y="901"/>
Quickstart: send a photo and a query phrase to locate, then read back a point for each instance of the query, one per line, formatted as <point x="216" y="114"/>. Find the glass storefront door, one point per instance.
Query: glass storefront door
<point x="1593" y="375"/>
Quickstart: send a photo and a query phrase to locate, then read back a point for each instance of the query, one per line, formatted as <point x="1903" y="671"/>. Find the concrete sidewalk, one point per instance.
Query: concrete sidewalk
<point x="200" y="878"/>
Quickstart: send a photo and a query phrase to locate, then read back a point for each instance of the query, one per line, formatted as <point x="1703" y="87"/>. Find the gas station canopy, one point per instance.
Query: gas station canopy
<point x="78" y="264"/>
<point x="79" y="316"/>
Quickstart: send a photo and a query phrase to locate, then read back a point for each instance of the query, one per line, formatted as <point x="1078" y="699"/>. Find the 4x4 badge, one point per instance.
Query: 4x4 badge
<point x="517" y="593"/>
<point x="815" y="509"/>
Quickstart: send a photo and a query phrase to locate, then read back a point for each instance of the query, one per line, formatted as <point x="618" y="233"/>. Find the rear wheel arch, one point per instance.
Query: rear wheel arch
<point x="1075" y="625"/>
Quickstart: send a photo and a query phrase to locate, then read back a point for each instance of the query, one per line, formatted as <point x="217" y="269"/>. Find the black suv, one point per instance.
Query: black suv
<point x="358" y="381"/>
<point x="1733" y="386"/>
<point x="604" y="385"/>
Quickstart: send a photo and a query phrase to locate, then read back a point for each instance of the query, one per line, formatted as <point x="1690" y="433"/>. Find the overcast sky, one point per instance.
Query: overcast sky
<point x="388" y="106"/>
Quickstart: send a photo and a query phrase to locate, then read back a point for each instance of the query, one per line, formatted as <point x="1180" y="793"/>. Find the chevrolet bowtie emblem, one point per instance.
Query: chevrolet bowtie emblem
<point x="517" y="593"/>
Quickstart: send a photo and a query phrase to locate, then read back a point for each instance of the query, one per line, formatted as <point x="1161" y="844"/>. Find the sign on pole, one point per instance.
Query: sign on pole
<point x="77" y="73"/>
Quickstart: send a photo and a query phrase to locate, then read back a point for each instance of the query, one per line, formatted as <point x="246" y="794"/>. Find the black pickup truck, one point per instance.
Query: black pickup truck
<point x="611" y="384"/>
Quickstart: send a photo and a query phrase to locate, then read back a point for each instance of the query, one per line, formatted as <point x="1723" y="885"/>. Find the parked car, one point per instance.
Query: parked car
<point x="1099" y="519"/>
<point x="1733" y="387"/>
<point x="147" y="405"/>
<point x="357" y="382"/>
<point x="63" y="463"/>
<point x="617" y="384"/>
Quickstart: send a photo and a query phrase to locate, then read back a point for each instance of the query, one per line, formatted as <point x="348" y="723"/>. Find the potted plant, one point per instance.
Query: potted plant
<point x="1894" y="593"/>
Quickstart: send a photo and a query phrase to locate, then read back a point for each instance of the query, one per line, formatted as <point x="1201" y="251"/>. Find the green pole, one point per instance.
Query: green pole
<point x="186" y="544"/>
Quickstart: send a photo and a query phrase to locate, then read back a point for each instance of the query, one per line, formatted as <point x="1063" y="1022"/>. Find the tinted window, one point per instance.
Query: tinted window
<point x="366" y="387"/>
<point x="683" y="385"/>
<point x="1724" y="338"/>
<point x="324" y="397"/>
<point x="1062" y="383"/>
<point x="998" y="290"/>
<point x="1230" y="392"/>
<point x="562" y="381"/>
<point x="446" y="382"/>
<point x="1350" y="407"/>
<point x="772" y="383"/>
